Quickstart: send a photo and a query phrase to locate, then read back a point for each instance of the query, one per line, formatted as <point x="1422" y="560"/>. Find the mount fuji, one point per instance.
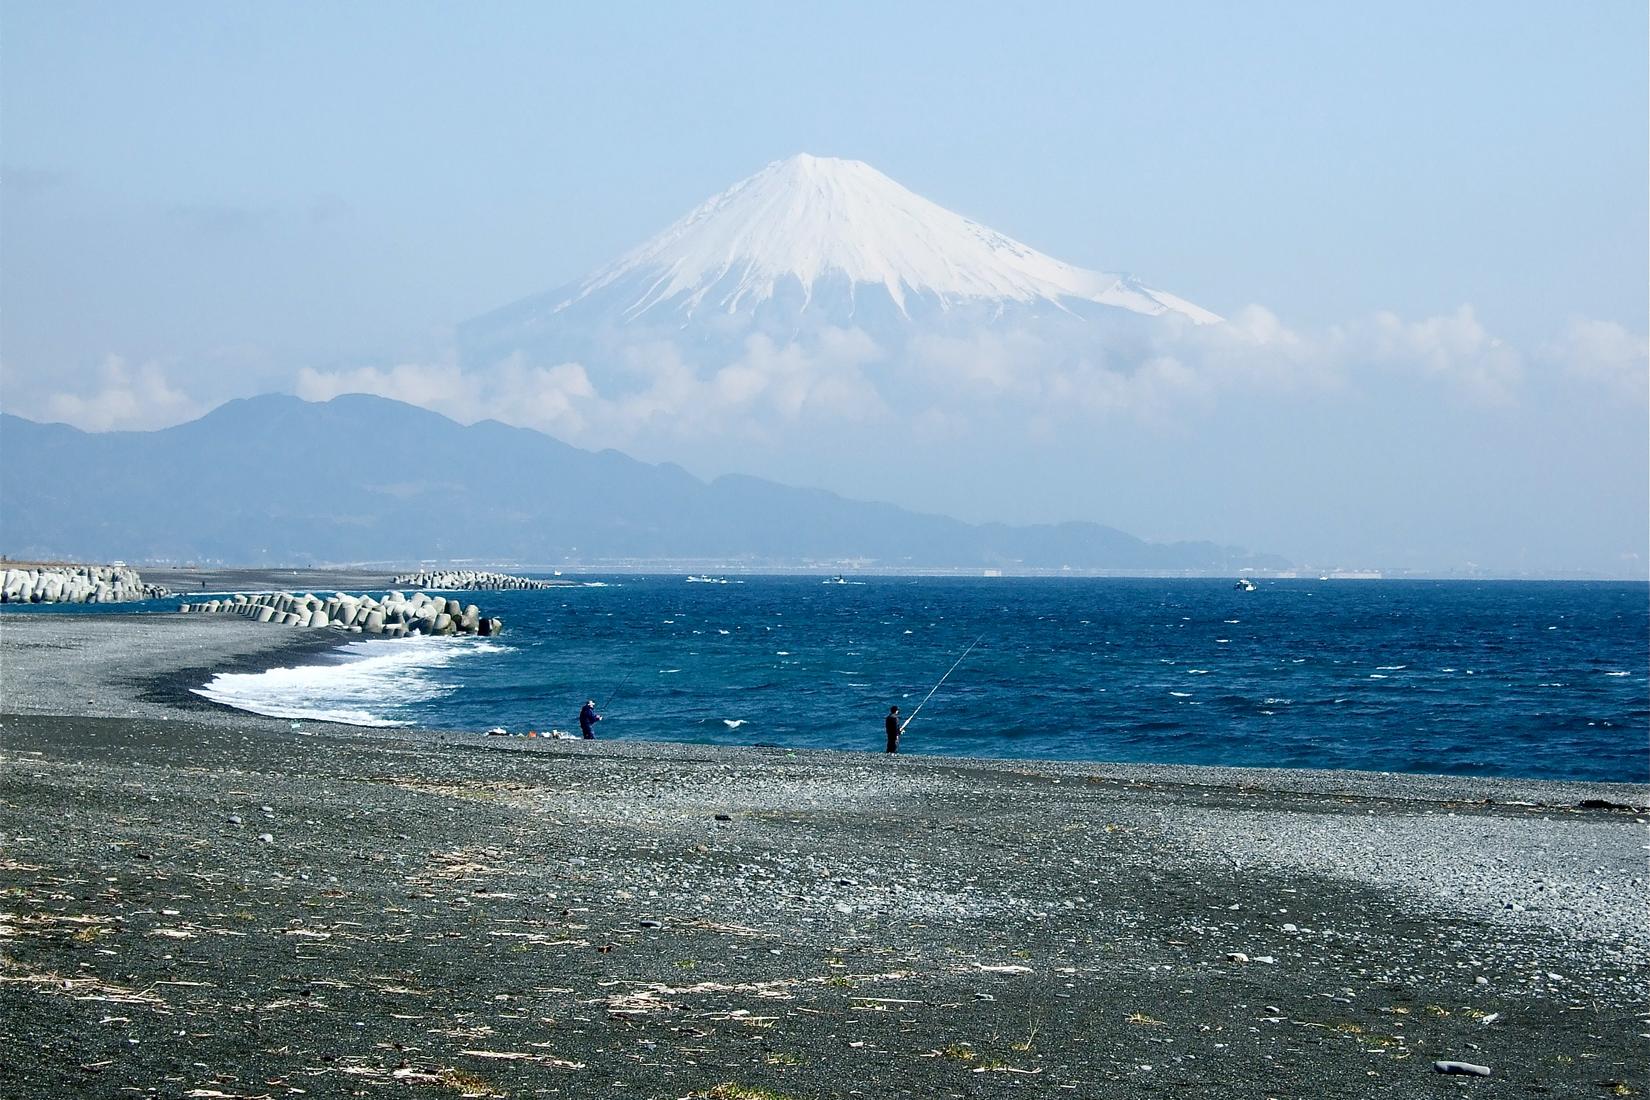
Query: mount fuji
<point x="809" y="244"/>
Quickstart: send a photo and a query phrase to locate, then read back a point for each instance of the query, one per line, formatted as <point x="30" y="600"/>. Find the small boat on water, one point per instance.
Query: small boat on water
<point x="838" y="579"/>
<point x="705" y="579"/>
<point x="1244" y="584"/>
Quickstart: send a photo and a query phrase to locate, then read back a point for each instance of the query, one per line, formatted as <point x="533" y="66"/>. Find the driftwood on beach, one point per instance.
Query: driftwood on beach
<point x="76" y="584"/>
<point x="395" y="616"/>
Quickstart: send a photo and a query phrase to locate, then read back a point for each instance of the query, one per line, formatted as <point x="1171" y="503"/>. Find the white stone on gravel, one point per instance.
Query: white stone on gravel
<point x="1470" y="1069"/>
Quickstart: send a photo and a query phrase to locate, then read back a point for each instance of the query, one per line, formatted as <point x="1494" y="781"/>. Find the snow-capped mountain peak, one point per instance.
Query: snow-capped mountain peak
<point x="817" y="219"/>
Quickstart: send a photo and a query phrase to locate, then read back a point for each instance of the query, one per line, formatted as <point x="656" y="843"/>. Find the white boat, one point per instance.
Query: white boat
<point x="1244" y="584"/>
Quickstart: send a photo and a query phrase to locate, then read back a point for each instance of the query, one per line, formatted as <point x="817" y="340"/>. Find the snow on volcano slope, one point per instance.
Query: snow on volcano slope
<point x="814" y="219"/>
<point x="810" y="242"/>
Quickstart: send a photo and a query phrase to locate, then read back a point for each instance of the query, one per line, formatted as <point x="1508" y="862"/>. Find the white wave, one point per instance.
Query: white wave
<point x="361" y="685"/>
<point x="733" y="723"/>
<point x="1181" y="694"/>
<point x="1618" y="674"/>
<point x="1197" y="672"/>
<point x="1389" y="668"/>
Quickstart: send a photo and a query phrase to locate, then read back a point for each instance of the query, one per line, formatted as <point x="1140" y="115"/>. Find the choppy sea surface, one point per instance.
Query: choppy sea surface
<point x="1536" y="679"/>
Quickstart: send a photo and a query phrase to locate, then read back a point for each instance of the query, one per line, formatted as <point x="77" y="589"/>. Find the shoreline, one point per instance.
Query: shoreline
<point x="448" y="913"/>
<point x="261" y="647"/>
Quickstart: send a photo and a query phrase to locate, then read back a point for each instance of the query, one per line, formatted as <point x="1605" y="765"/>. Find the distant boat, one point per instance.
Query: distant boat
<point x="704" y="579"/>
<point x="1244" y="584"/>
<point x="838" y="579"/>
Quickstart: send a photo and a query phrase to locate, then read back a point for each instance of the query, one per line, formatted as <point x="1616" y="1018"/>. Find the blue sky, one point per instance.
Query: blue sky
<point x="220" y="195"/>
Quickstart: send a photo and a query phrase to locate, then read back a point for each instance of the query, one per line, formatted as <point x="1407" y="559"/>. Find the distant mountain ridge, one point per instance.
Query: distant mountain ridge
<point x="278" y="480"/>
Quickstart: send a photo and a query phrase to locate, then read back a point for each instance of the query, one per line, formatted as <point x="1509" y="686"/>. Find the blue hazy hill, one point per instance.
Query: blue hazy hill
<point x="279" y="480"/>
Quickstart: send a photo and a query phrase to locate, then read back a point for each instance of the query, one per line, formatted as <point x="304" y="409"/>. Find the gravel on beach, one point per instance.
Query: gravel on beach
<point x="203" y="903"/>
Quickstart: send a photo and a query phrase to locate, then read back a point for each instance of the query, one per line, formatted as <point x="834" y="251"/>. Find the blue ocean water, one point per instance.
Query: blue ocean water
<point x="1537" y="679"/>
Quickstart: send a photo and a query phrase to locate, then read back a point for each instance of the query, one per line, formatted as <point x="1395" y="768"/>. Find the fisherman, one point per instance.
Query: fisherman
<point x="894" y="727"/>
<point x="588" y="719"/>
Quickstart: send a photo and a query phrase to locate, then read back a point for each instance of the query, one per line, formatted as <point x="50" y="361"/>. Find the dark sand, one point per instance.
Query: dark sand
<point x="444" y="915"/>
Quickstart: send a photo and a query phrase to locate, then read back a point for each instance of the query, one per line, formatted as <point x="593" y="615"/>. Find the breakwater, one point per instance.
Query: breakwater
<point x="395" y="616"/>
<point x="76" y="584"/>
<point x="452" y="579"/>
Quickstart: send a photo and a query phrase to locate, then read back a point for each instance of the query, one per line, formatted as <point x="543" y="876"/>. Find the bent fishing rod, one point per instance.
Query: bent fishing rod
<point x="943" y="679"/>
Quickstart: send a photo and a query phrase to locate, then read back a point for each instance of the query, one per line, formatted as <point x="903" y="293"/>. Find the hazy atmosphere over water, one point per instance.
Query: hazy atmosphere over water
<point x="1422" y="230"/>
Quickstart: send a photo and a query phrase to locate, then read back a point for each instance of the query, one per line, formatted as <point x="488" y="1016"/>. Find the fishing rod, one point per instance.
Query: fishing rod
<point x="943" y="679"/>
<point x="614" y="694"/>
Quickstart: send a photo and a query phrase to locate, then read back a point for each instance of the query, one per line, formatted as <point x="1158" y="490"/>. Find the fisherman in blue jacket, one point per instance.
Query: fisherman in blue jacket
<point x="588" y="719"/>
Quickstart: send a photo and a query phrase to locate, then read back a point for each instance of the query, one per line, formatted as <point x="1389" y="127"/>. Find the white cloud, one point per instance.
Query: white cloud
<point x="763" y="392"/>
<point x="947" y="385"/>
<point x="1603" y="352"/>
<point x="546" y="398"/>
<point x="434" y="386"/>
<point x="123" y="397"/>
<point x="1454" y="348"/>
<point x="937" y="386"/>
<point x="654" y="390"/>
<point x="989" y="363"/>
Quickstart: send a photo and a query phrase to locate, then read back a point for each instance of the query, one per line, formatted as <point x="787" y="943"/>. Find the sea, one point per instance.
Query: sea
<point x="1492" y="678"/>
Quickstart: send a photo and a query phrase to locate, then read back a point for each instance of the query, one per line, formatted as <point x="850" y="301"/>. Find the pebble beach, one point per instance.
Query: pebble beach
<point x="204" y="903"/>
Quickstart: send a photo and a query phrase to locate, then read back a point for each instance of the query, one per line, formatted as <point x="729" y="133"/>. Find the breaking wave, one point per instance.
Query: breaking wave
<point x="364" y="683"/>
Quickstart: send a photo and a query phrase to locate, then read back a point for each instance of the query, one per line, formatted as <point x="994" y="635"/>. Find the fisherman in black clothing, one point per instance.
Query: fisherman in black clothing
<point x="894" y="728"/>
<point x="588" y="719"/>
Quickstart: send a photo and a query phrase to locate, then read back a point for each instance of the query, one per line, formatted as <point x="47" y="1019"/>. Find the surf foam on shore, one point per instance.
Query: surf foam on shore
<point x="364" y="683"/>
